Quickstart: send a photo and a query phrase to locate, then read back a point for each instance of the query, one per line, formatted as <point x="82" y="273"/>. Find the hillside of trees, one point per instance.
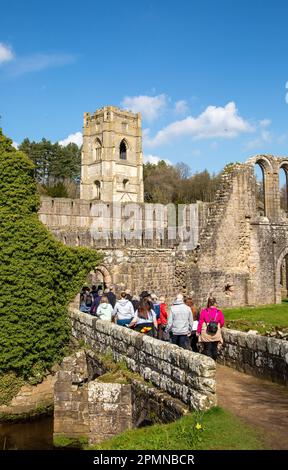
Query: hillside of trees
<point x="57" y="172"/>
<point x="57" y="168"/>
<point x="165" y="183"/>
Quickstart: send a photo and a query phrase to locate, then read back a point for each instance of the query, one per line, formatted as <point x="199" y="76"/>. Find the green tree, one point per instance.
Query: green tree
<point x="165" y="183"/>
<point x="54" y="165"/>
<point x="38" y="275"/>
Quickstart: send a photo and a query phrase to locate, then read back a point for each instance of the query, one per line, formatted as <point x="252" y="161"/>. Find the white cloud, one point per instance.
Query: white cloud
<point x="213" y="122"/>
<point x="76" y="138"/>
<point x="149" y="106"/>
<point x="181" y="107"/>
<point x="265" y="123"/>
<point x="6" y="53"/>
<point x="154" y="159"/>
<point x="37" y="62"/>
<point x="263" y="137"/>
<point x="15" y="145"/>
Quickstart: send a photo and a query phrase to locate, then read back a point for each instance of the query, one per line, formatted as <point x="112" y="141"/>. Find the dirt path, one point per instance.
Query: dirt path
<point x="260" y="403"/>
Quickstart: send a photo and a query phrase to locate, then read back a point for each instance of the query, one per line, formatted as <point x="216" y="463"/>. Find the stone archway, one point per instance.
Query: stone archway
<point x="279" y="276"/>
<point x="100" y="275"/>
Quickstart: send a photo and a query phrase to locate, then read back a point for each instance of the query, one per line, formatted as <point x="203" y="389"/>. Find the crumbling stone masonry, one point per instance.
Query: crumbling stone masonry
<point x="237" y="248"/>
<point x="90" y="409"/>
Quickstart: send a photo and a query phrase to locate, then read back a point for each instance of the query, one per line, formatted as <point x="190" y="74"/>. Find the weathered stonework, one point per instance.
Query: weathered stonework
<point x="90" y="409"/>
<point x="112" y="166"/>
<point x="183" y="374"/>
<point x="235" y="250"/>
<point x="87" y="408"/>
<point x="31" y="400"/>
<point x="256" y="355"/>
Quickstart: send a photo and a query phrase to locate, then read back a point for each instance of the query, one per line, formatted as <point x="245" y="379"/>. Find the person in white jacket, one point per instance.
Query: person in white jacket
<point x="105" y="309"/>
<point x="123" y="310"/>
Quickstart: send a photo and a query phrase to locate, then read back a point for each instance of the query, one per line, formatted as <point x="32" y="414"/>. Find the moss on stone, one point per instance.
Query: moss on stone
<point x="10" y="385"/>
<point x="64" y="441"/>
<point x="42" y="410"/>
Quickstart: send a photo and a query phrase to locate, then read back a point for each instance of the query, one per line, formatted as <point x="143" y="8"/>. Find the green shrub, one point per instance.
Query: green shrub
<point x="38" y="275"/>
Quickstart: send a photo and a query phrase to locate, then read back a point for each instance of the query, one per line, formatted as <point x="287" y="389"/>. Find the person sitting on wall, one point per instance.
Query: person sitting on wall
<point x="105" y="309"/>
<point x="86" y="303"/>
<point x="209" y="328"/>
<point x="84" y="291"/>
<point x="144" y="320"/>
<point x="123" y="310"/>
<point x="180" y="322"/>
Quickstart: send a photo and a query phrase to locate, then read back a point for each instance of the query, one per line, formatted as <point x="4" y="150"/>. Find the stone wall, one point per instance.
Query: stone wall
<point x="143" y="269"/>
<point x="183" y="374"/>
<point x="256" y="355"/>
<point x="99" y="224"/>
<point x="90" y="409"/>
<point x="240" y="249"/>
<point x="31" y="400"/>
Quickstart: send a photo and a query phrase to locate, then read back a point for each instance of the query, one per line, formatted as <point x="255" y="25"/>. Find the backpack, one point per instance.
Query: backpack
<point x="156" y="308"/>
<point x="212" y="326"/>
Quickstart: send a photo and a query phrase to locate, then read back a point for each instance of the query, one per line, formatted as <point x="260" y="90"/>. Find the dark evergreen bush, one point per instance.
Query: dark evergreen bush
<point x="38" y="275"/>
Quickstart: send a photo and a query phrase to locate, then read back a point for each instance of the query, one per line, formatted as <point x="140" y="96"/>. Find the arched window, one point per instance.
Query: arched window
<point x="283" y="188"/>
<point x="98" y="190"/>
<point x="260" y="187"/>
<point x="123" y="150"/>
<point x="125" y="183"/>
<point x="98" y="149"/>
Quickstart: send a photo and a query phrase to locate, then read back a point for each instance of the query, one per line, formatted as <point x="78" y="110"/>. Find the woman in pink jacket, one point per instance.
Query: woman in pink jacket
<point x="209" y="328"/>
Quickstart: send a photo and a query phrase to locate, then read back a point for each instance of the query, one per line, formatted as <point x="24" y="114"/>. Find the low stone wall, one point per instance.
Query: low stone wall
<point x="183" y="374"/>
<point x="89" y="409"/>
<point x="257" y="355"/>
<point x="31" y="400"/>
<point x="150" y="405"/>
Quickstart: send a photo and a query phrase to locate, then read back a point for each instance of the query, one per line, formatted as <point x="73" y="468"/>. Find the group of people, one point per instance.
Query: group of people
<point x="182" y="324"/>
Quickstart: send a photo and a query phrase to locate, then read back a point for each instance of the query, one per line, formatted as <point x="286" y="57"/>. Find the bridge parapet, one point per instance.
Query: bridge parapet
<point x="183" y="374"/>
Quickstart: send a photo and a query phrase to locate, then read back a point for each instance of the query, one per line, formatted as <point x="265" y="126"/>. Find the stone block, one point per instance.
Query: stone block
<point x="274" y="346"/>
<point x="178" y="374"/>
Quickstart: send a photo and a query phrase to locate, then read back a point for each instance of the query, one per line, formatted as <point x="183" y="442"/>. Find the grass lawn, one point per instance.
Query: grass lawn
<point x="264" y="318"/>
<point x="220" y="430"/>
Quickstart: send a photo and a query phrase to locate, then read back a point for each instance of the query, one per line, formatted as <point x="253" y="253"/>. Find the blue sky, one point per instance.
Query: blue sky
<point x="208" y="76"/>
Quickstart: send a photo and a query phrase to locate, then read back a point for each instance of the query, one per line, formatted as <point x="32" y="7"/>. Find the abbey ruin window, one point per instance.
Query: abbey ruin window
<point x="125" y="183"/>
<point x="283" y="188"/>
<point x="98" y="150"/>
<point x="97" y="190"/>
<point x="259" y="171"/>
<point x="123" y="150"/>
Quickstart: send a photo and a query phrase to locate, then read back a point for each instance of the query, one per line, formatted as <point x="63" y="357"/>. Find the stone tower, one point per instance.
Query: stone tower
<point x="112" y="166"/>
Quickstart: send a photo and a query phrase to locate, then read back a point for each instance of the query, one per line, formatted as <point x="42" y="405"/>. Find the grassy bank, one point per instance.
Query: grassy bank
<point x="215" y="429"/>
<point x="264" y="318"/>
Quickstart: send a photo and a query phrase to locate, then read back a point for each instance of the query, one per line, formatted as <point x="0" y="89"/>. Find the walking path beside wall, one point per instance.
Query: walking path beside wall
<point x="256" y="355"/>
<point x="183" y="374"/>
<point x="260" y="403"/>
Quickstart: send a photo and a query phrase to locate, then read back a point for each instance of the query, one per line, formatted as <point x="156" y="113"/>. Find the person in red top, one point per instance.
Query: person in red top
<point x="209" y="328"/>
<point x="163" y="318"/>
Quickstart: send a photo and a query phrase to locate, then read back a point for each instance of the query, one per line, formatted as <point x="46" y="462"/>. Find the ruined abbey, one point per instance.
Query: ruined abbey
<point x="229" y="247"/>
